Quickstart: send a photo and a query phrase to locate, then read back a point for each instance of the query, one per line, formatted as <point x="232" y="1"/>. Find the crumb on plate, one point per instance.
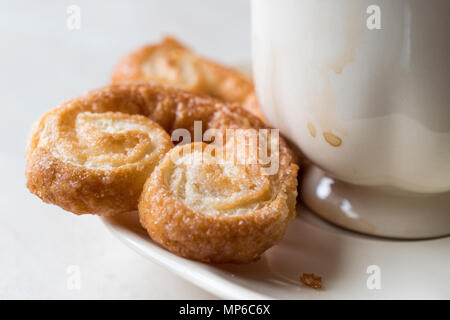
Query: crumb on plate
<point x="311" y="280"/>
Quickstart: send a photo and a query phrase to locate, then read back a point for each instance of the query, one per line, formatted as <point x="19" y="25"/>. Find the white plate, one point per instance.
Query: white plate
<point x="408" y="269"/>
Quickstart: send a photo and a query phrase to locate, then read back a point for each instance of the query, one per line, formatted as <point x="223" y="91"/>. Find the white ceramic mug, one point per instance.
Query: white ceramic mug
<point x="363" y="88"/>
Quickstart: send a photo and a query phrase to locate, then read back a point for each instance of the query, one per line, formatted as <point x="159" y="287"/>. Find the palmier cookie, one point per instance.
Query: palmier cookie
<point x="202" y="207"/>
<point x="169" y="62"/>
<point x="56" y="176"/>
<point x="94" y="153"/>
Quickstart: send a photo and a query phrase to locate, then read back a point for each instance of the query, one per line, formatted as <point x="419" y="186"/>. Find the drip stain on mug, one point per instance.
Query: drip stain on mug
<point x="311" y="129"/>
<point x="332" y="139"/>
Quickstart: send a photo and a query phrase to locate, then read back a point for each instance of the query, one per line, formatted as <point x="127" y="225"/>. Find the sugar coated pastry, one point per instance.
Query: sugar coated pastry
<point x="169" y="62"/>
<point x="94" y="153"/>
<point x="203" y="205"/>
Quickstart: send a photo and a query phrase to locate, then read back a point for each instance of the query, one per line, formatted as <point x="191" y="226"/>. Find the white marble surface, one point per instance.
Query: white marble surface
<point x="42" y="63"/>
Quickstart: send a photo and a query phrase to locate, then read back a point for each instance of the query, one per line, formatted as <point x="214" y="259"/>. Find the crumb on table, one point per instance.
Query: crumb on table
<point x="311" y="280"/>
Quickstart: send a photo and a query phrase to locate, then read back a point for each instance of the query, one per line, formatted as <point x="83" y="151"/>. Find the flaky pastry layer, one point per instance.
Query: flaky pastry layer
<point x="217" y="211"/>
<point x="93" y="154"/>
<point x="169" y="62"/>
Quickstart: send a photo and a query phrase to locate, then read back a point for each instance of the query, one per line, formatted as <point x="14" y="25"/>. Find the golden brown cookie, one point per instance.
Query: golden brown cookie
<point x="169" y="62"/>
<point x="92" y="154"/>
<point x="212" y="208"/>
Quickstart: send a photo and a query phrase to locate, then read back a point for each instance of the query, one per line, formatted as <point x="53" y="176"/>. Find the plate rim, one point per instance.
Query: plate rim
<point x="221" y="288"/>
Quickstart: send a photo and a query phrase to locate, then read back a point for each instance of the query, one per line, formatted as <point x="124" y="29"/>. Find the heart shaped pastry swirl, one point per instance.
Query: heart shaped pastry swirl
<point x="169" y="62"/>
<point x="213" y="185"/>
<point x="204" y="207"/>
<point x="105" y="140"/>
<point x="93" y="156"/>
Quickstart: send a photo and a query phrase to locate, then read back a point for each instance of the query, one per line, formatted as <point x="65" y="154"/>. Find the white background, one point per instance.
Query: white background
<point x="42" y="64"/>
